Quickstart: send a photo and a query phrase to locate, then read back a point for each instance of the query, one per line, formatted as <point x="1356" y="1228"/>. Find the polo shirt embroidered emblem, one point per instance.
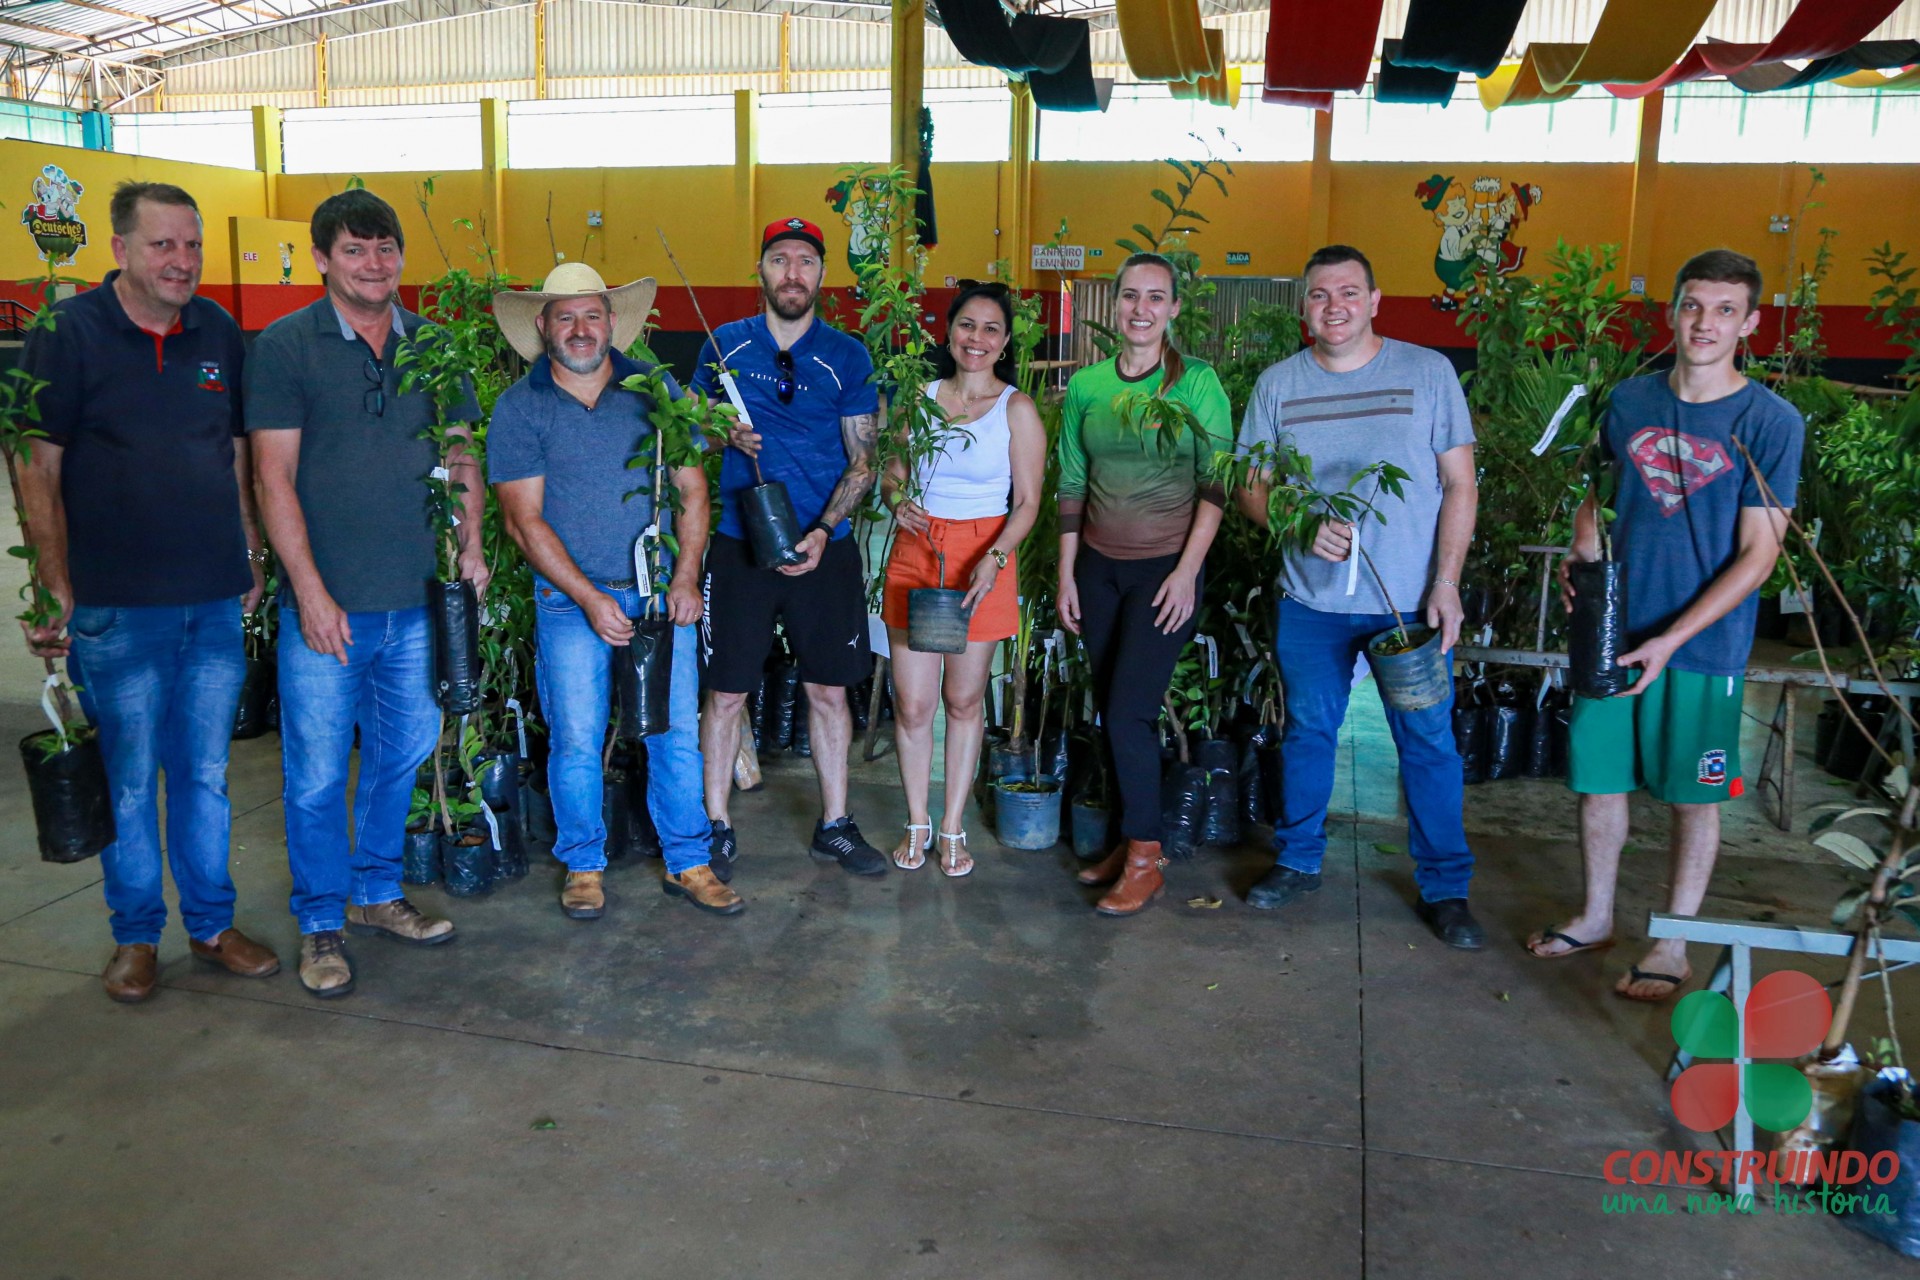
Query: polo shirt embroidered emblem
<point x="210" y="376"/>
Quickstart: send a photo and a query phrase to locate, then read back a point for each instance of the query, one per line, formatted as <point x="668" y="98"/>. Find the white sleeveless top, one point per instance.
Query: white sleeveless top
<point x="971" y="478"/>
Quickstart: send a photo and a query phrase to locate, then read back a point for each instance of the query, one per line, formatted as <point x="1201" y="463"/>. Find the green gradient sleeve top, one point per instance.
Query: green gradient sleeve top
<point x="1118" y="491"/>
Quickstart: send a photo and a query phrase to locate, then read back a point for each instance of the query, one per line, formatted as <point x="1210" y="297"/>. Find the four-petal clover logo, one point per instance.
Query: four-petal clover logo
<point x="1787" y="1015"/>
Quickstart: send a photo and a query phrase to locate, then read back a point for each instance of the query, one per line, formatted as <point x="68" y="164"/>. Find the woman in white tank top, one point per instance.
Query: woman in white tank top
<point x="978" y="498"/>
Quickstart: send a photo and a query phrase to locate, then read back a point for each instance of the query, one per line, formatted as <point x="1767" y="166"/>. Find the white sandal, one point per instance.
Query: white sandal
<point x="910" y="854"/>
<point x="955" y="861"/>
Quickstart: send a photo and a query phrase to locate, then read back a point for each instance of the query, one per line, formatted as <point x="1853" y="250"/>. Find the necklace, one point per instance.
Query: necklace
<point x="967" y="401"/>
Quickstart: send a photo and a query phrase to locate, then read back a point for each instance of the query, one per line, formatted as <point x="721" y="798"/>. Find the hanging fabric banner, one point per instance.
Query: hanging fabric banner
<point x="1868" y="55"/>
<point x="1321" y="47"/>
<point x="1636" y="40"/>
<point x="1423" y="86"/>
<point x="1072" y="88"/>
<point x="1446" y="35"/>
<point x="1163" y="39"/>
<point x="1816" y="29"/>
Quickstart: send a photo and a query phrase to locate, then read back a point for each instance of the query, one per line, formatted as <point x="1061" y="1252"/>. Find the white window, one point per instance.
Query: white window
<point x="827" y="128"/>
<point x="631" y="133"/>
<point x="1715" y="123"/>
<point x="382" y="139"/>
<point x="1592" y="125"/>
<point x="202" y="137"/>
<point x="971" y="124"/>
<point x="1146" y="122"/>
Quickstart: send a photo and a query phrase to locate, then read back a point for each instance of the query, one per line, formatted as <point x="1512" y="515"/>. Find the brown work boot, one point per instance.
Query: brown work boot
<point x="703" y="889"/>
<point x="582" y="897"/>
<point x="131" y="974"/>
<point x="401" y="920"/>
<point x="325" y="968"/>
<point x="1140" y="884"/>
<point x="235" y="952"/>
<point x="1108" y="869"/>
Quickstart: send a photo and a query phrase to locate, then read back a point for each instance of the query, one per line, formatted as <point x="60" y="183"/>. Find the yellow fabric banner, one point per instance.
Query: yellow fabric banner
<point x="1636" y="41"/>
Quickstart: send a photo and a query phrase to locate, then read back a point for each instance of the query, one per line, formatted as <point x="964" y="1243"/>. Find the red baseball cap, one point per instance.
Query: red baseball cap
<point x="793" y="229"/>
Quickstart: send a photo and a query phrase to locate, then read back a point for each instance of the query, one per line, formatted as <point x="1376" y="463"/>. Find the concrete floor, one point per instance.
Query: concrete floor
<point x="908" y="1077"/>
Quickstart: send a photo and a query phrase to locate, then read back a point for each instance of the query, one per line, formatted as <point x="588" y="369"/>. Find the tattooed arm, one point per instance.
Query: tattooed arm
<point x="860" y="433"/>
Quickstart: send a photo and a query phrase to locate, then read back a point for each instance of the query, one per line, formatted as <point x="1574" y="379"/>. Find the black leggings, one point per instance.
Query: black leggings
<point x="1132" y="664"/>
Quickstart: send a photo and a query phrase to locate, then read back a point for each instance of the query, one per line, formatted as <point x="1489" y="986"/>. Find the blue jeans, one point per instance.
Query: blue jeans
<point x="1316" y="652"/>
<point x="386" y="688"/>
<point x="574" y="672"/>
<point x="163" y="684"/>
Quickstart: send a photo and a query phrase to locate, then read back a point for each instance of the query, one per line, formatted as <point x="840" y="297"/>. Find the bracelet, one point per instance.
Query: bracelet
<point x="1446" y="582"/>
<point x="822" y="526"/>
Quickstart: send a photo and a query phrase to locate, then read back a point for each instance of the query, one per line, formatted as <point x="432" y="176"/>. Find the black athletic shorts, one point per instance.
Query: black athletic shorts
<point x="824" y="613"/>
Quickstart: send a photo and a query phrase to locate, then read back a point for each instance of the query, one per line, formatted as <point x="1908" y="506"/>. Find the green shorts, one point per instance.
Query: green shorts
<point x="1680" y="740"/>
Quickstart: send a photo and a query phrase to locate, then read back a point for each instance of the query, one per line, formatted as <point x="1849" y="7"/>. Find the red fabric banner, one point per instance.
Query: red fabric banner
<point x="1321" y="45"/>
<point x="1816" y="29"/>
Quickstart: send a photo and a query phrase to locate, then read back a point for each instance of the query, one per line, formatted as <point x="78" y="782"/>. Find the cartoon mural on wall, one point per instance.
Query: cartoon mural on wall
<point x="53" y="218"/>
<point x="1477" y="222"/>
<point x="863" y="247"/>
<point x="286" y="263"/>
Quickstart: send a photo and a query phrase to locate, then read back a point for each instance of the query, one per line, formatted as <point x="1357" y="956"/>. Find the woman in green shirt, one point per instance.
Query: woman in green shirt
<point x="1137" y="514"/>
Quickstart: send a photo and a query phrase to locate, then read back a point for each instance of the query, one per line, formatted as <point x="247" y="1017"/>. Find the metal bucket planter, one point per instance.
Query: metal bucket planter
<point x="643" y="678"/>
<point x="1597" y="632"/>
<point x="454" y="610"/>
<point x="772" y="528"/>
<point x="72" y="804"/>
<point x="1027" y="812"/>
<point x="1412" y="679"/>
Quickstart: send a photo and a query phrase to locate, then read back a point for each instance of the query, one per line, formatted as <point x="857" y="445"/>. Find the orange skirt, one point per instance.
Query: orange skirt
<point x="914" y="564"/>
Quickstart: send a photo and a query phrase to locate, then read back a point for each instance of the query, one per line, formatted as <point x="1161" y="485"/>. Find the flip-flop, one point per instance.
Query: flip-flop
<point x="1574" y="945"/>
<point x="1637" y="974"/>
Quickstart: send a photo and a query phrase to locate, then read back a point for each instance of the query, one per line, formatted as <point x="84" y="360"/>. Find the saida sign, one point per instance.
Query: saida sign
<point x="53" y="219"/>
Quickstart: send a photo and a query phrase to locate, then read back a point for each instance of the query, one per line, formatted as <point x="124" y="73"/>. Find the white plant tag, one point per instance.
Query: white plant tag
<point x="733" y="398"/>
<point x="519" y="724"/>
<point x="1353" y="561"/>
<point x="441" y="473"/>
<point x="1213" y="657"/>
<point x="1246" y="640"/>
<point x="493" y="825"/>
<point x="1573" y="397"/>
<point x="642" y="575"/>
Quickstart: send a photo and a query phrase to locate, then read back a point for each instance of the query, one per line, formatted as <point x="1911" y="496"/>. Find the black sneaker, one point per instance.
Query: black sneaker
<point x="1452" y="923"/>
<point x="843" y="843"/>
<point x="1280" y="886"/>
<point x="722" y="848"/>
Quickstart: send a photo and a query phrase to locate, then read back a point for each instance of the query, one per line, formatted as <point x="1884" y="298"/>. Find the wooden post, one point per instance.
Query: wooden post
<point x="909" y="80"/>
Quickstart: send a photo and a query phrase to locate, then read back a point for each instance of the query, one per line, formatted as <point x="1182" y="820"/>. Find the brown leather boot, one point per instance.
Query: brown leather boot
<point x="235" y="952"/>
<point x="1140" y="884"/>
<point x="698" y="886"/>
<point x="1108" y="869"/>
<point x="132" y="973"/>
<point x="583" y="897"/>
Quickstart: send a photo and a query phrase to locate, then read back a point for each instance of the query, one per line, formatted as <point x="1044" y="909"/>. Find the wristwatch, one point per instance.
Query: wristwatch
<point x="999" y="556"/>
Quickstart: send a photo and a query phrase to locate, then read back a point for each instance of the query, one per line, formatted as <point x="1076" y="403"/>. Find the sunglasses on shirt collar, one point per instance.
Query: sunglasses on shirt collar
<point x="783" y="361"/>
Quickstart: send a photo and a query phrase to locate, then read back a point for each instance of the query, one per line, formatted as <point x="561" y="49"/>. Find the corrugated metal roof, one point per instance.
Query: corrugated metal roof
<point x="601" y="48"/>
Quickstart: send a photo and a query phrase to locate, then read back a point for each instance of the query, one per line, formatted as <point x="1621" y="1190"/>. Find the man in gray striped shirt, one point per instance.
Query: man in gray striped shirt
<point x="1350" y="400"/>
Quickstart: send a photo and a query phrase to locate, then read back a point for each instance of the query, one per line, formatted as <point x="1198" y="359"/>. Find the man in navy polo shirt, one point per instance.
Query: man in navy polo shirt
<point x="139" y="503"/>
<point x="559" y="450"/>
<point x="815" y="421"/>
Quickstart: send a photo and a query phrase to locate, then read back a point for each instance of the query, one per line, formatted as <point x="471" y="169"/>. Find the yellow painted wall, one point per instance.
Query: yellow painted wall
<point x="694" y="206"/>
<point x="455" y="196"/>
<point x="1263" y="214"/>
<point x="1707" y="206"/>
<point x="221" y="193"/>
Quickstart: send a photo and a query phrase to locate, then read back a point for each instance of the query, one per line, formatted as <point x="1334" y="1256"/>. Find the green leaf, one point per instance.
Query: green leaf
<point x="1388" y="848"/>
<point x="1851" y="849"/>
<point x="1844" y="909"/>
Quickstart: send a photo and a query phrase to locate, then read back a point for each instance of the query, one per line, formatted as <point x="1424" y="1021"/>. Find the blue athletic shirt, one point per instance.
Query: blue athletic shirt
<point x="800" y="443"/>
<point x="1682" y="484"/>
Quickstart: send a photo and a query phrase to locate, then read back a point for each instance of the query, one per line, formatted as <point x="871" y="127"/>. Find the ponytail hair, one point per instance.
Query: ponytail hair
<point x="1173" y="365"/>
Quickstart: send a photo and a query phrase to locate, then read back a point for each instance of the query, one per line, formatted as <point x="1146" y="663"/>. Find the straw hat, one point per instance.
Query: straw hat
<point x="516" y="309"/>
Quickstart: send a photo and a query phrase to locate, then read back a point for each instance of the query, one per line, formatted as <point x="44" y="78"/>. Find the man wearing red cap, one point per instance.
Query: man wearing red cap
<point x="815" y="417"/>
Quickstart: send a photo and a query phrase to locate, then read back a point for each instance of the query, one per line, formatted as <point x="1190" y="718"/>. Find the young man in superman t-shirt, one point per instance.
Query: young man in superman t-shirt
<point x="1699" y="532"/>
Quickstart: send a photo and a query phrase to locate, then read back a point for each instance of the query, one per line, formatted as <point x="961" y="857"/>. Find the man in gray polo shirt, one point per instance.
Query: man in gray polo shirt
<point x="1348" y="401"/>
<point x="341" y="465"/>
<point x="559" y="448"/>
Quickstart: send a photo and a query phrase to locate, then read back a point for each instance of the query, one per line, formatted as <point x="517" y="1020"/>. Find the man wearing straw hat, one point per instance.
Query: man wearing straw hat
<point x="558" y="449"/>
